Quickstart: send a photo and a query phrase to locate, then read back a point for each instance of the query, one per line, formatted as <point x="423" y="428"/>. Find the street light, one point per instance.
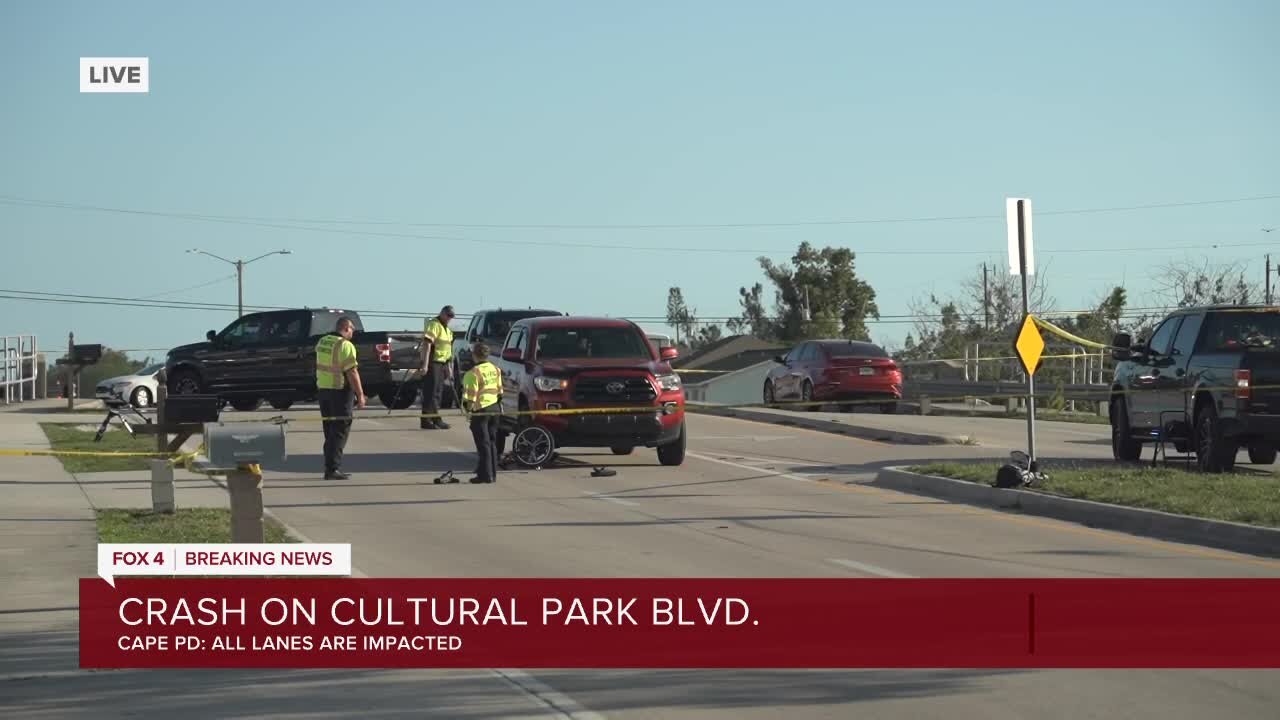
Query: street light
<point x="239" y="271"/>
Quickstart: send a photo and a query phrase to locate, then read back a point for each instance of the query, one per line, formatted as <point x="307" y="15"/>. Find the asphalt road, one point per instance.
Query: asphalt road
<point x="752" y="500"/>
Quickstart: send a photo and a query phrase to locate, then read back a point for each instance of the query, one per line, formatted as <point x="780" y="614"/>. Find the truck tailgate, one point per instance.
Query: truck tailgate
<point x="1263" y="365"/>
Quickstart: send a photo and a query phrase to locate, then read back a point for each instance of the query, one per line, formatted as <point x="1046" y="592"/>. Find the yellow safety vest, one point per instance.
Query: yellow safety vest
<point x="442" y="337"/>
<point x="335" y="355"/>
<point x="482" y="386"/>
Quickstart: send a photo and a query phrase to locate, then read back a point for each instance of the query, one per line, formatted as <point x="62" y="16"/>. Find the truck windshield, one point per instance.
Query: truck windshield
<point x="580" y="343"/>
<point x="497" y="324"/>
<point x="1231" y="330"/>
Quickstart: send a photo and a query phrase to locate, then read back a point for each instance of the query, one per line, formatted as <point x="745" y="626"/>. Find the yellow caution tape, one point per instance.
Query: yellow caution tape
<point x="85" y="453"/>
<point x="1046" y="325"/>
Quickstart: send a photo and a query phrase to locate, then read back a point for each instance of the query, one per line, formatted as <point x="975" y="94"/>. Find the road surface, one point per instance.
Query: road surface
<point x="752" y="500"/>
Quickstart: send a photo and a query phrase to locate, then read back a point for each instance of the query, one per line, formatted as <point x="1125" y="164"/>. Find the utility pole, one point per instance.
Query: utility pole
<point x="1268" y="278"/>
<point x="986" y="300"/>
<point x="239" y="265"/>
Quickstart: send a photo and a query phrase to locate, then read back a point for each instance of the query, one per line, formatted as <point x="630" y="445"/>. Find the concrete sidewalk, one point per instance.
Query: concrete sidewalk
<point x="48" y="533"/>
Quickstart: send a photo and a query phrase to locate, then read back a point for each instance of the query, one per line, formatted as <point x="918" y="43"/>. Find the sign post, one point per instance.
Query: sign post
<point x="1029" y="344"/>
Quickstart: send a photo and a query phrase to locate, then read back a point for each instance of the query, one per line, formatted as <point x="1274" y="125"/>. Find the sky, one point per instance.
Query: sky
<point x="423" y="118"/>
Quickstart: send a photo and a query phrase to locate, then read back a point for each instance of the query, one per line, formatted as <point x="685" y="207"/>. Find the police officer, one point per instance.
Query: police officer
<point x="482" y="401"/>
<point x="437" y="356"/>
<point x="338" y="385"/>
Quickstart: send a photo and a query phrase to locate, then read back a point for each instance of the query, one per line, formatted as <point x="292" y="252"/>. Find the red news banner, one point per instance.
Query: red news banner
<point x="678" y="623"/>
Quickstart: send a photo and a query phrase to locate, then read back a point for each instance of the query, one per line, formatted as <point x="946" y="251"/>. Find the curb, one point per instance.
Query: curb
<point x="837" y="427"/>
<point x="1220" y="534"/>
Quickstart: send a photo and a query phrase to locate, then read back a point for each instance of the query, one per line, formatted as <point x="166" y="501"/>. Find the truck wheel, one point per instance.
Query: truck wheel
<point x="185" y="382"/>
<point x="407" y="397"/>
<point x="673" y="452"/>
<point x="1262" y="454"/>
<point x="622" y="450"/>
<point x="282" y="403"/>
<point x="1214" y="453"/>
<point x="246" y="404"/>
<point x="1123" y="447"/>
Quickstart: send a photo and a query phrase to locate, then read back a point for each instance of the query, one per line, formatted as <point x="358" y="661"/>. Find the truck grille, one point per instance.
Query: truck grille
<point x="596" y="390"/>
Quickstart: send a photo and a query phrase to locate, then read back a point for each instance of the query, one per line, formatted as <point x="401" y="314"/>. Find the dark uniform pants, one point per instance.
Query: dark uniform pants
<point x="432" y="390"/>
<point x="336" y="403"/>
<point x="484" y="430"/>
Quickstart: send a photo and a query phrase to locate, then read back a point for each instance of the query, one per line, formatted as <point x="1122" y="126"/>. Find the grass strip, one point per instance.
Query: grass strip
<point x="64" y="437"/>
<point x="187" y="525"/>
<point x="1244" y="496"/>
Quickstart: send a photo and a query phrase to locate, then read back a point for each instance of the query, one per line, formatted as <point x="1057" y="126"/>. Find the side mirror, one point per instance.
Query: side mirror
<point x="1122" y="340"/>
<point x="781" y="360"/>
<point x="211" y="336"/>
<point x="512" y="355"/>
<point x="669" y="353"/>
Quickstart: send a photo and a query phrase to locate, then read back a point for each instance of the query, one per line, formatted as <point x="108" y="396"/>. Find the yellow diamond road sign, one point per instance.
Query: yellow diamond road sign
<point x="1029" y="345"/>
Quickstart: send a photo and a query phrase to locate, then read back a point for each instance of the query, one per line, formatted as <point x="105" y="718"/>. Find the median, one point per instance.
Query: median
<point x="1237" y="511"/>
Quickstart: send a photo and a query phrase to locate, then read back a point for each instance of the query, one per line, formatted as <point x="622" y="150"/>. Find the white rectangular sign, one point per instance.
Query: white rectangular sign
<point x="216" y="559"/>
<point x="1011" y="220"/>
<point x="115" y="75"/>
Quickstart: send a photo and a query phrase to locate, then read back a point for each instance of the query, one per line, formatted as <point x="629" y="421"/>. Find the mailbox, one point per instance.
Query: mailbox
<point x="86" y="354"/>
<point x="229" y="445"/>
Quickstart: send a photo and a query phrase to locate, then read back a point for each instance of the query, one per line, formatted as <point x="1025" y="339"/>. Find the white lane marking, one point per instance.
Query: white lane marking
<point x="557" y="702"/>
<point x="753" y="438"/>
<point x="541" y="694"/>
<point x="867" y="568"/>
<point x="753" y="468"/>
<point x="610" y="498"/>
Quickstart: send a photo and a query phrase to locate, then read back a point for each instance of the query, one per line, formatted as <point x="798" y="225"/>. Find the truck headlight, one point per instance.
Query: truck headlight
<point x="669" y="382"/>
<point x="550" y="384"/>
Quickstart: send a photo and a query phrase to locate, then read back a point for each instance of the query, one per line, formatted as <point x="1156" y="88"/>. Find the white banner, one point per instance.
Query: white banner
<point x="223" y="559"/>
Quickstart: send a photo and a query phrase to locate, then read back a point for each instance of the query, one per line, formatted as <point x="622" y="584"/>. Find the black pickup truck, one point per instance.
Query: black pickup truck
<point x="1208" y="380"/>
<point x="271" y="356"/>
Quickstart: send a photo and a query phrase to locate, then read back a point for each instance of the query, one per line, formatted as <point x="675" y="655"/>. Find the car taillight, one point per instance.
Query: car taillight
<point x="384" y="352"/>
<point x="1244" y="379"/>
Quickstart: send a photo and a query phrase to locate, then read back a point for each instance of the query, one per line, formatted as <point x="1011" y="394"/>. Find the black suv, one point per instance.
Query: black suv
<point x="1207" y="381"/>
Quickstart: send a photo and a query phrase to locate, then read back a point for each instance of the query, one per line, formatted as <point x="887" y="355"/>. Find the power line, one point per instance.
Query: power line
<point x="116" y="301"/>
<point x="650" y="226"/>
<point x="278" y="225"/>
<point x="193" y="287"/>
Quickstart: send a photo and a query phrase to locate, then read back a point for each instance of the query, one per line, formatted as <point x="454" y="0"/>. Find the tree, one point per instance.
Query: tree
<point x="685" y="321"/>
<point x="113" y="363"/>
<point x="818" y="294"/>
<point x="754" y="319"/>
<point x="1184" y="285"/>
<point x="679" y="316"/>
<point x="822" y="285"/>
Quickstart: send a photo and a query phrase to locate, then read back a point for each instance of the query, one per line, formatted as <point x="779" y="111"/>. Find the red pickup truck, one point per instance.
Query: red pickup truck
<point x="593" y="364"/>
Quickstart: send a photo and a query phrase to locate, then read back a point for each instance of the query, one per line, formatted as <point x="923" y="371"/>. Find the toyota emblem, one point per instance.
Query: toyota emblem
<point x="615" y="387"/>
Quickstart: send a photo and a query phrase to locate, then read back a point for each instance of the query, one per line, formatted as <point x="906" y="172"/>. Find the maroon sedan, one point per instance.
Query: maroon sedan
<point x="821" y="371"/>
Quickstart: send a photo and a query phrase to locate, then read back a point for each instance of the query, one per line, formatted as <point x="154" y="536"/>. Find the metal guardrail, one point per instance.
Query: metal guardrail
<point x="999" y="389"/>
<point x="19" y="366"/>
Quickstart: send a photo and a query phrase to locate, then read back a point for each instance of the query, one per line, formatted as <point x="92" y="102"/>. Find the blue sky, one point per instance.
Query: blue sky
<point x="612" y="113"/>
